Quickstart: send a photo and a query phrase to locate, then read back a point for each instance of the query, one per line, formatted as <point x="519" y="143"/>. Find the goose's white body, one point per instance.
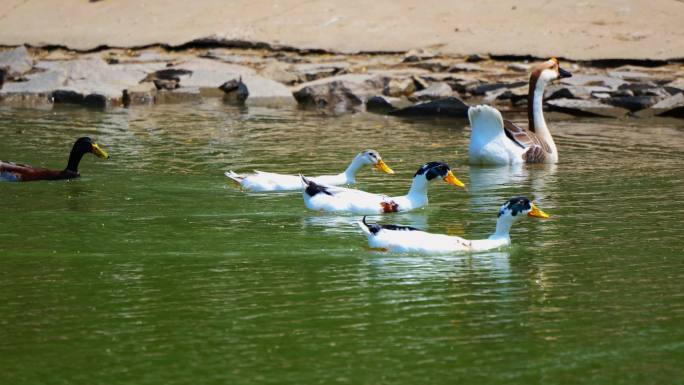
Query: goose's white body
<point x="339" y="199"/>
<point x="488" y="142"/>
<point x="498" y="142"/>
<point x="403" y="239"/>
<point x="261" y="181"/>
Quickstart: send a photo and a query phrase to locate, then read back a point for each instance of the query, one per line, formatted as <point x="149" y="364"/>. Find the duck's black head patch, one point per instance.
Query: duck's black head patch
<point x="516" y="205"/>
<point x="374" y="228"/>
<point x="433" y="170"/>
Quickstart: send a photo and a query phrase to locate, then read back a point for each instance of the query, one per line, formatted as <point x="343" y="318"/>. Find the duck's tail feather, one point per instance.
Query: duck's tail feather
<point x="312" y="188"/>
<point x="237" y="178"/>
<point x="485" y="118"/>
<point x="364" y="226"/>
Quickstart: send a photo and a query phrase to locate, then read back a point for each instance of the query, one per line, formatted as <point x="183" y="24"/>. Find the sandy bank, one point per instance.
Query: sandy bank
<point x="579" y="30"/>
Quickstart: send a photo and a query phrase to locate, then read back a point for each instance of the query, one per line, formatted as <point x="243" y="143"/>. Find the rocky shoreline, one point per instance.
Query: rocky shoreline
<point x="417" y="83"/>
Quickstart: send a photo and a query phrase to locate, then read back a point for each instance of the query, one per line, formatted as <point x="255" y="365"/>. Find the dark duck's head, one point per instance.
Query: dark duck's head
<point x="82" y="146"/>
<point x="431" y="170"/>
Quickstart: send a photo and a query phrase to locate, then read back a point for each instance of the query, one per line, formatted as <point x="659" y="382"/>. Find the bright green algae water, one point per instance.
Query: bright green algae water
<point x="153" y="269"/>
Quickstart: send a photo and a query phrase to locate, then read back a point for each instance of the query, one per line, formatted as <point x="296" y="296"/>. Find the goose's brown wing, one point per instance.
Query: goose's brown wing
<point x="537" y="149"/>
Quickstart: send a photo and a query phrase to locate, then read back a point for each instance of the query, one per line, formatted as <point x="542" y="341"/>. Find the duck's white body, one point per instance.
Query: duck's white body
<point x="404" y="239"/>
<point x="261" y="181"/>
<point x="338" y="199"/>
<point x="497" y="141"/>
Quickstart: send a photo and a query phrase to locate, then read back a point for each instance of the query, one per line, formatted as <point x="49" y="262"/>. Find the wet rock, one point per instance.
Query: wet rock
<point x="340" y="93"/>
<point x="180" y="95"/>
<point x="382" y="104"/>
<point x="593" y="80"/>
<point x="235" y="91"/>
<point x="672" y="106"/>
<point x="586" y="108"/>
<point x="448" y="107"/>
<point x="399" y="87"/>
<point x="93" y="100"/>
<point x="2" y="77"/>
<point x="632" y="103"/>
<point x="433" y="92"/>
<point x="140" y="94"/>
<point x="38" y="83"/>
<point x="16" y="62"/>
<point x="313" y="71"/>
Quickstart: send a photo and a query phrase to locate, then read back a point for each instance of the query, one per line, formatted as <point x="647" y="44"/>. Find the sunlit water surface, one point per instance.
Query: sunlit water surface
<point x="153" y="269"/>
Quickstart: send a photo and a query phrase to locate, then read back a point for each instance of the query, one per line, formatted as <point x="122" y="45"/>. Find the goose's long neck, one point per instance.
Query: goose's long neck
<point x="74" y="160"/>
<point x="352" y="169"/>
<point x="535" y="112"/>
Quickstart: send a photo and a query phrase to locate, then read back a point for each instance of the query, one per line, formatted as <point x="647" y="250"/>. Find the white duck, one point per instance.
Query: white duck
<point x="337" y="199"/>
<point x="494" y="140"/>
<point x="268" y="181"/>
<point x="405" y="239"/>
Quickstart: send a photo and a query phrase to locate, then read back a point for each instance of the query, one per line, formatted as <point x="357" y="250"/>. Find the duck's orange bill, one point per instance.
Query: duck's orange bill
<point x="100" y="153"/>
<point x="382" y="166"/>
<point x="451" y="179"/>
<point x="537" y="213"/>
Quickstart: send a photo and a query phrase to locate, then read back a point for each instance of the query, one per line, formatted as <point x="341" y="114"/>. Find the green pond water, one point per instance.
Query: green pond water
<point x="153" y="269"/>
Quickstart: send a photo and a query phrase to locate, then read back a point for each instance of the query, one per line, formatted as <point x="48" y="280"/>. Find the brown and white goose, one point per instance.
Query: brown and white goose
<point x="494" y="140"/>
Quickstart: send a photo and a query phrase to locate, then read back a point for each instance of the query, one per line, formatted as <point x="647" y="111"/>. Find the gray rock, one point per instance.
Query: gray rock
<point x="630" y="75"/>
<point x="633" y="103"/>
<point x="449" y="107"/>
<point x="280" y="72"/>
<point x="16" y="61"/>
<point x="382" y="104"/>
<point x="93" y="100"/>
<point x="235" y="91"/>
<point x="141" y="94"/>
<point x="586" y="108"/>
<point x="434" y="65"/>
<point x="180" y="95"/>
<point x="593" y="80"/>
<point x="420" y="83"/>
<point x="313" y="71"/>
<point x="433" y="92"/>
<point x="339" y="93"/>
<point x="672" y="106"/>
<point x="519" y="67"/>
<point x="399" y="87"/>
<point x="208" y="74"/>
<point x="474" y="58"/>
<point x="416" y="55"/>
<point x="676" y="86"/>
<point x="266" y="92"/>
<point x="561" y="91"/>
<point x="465" y="67"/>
<point x="482" y="89"/>
<point x="38" y="83"/>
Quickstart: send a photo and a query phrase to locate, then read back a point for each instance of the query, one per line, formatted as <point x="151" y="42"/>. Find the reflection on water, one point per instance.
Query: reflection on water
<point x="153" y="258"/>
